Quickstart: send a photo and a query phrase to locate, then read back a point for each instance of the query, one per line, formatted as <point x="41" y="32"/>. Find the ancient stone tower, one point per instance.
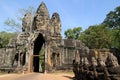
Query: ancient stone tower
<point x="44" y="32"/>
<point x="40" y="44"/>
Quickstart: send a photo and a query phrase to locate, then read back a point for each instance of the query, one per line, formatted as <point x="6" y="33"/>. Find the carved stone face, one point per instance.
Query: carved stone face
<point x="94" y="61"/>
<point x="86" y="62"/>
<point x="26" y="22"/>
<point x="41" y="19"/>
<point x="56" y="24"/>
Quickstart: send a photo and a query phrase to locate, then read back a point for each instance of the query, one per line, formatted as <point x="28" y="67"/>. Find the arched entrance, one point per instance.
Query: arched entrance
<point x="37" y="47"/>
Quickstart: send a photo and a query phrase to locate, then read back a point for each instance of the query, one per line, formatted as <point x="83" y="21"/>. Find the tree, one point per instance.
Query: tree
<point x="97" y="36"/>
<point x="5" y="37"/>
<point x="73" y="33"/>
<point x="15" y="24"/>
<point x="113" y="18"/>
<point x="112" y="21"/>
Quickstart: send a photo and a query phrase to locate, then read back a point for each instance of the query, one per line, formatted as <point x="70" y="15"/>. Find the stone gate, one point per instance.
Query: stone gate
<point x="41" y="34"/>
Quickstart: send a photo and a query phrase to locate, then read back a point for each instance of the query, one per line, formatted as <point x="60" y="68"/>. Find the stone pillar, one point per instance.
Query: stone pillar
<point x="27" y="59"/>
<point x="45" y="48"/>
<point x="63" y="57"/>
<point x="31" y="68"/>
<point x="66" y="58"/>
<point x="60" y="54"/>
<point x="49" y="55"/>
<point x="30" y="59"/>
<point x="18" y="59"/>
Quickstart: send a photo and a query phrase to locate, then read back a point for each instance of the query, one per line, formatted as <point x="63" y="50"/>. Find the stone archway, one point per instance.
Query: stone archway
<point x="37" y="47"/>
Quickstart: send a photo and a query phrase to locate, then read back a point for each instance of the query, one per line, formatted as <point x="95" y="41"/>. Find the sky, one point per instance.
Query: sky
<point x="73" y="13"/>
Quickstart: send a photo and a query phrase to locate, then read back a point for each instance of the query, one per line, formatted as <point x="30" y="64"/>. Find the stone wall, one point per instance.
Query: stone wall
<point x="6" y="57"/>
<point x="45" y="31"/>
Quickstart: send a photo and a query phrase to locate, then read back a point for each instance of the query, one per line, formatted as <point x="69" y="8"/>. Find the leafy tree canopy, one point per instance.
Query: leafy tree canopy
<point x="112" y="21"/>
<point x="73" y="33"/>
<point x="5" y="37"/>
<point x="97" y="36"/>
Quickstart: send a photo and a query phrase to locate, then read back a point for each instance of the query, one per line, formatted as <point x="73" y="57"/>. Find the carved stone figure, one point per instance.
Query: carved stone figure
<point x="86" y="62"/>
<point x="41" y="19"/>
<point x="46" y="37"/>
<point x="111" y="61"/>
<point x="26" y="22"/>
<point x="94" y="61"/>
<point x="101" y="62"/>
<point x="56" y="24"/>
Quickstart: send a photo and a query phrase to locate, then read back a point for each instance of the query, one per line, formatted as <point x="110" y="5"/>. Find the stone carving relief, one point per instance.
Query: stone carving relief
<point x="41" y="18"/>
<point x="26" y="22"/>
<point x="56" y="24"/>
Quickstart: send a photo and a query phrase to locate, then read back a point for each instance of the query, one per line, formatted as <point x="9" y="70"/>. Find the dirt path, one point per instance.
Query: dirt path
<point x="37" y="76"/>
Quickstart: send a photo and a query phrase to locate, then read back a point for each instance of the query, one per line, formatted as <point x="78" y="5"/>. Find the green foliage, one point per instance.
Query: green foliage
<point x="73" y="33"/>
<point x="116" y="38"/>
<point x="97" y="36"/>
<point x="42" y="55"/>
<point x="112" y="20"/>
<point x="69" y="34"/>
<point x="42" y="58"/>
<point x="5" y="37"/>
<point x="105" y="35"/>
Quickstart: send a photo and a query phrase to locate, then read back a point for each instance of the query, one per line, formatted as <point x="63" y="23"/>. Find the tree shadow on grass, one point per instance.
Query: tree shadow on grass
<point x="69" y="77"/>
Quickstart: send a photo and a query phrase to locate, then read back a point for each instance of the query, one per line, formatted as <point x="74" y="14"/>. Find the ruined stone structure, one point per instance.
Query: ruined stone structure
<point x="26" y="22"/>
<point x="40" y="45"/>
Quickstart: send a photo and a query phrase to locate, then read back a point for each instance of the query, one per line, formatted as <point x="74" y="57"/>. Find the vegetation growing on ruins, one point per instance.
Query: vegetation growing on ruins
<point x="104" y="35"/>
<point x="16" y="24"/>
<point x="73" y="33"/>
<point x="5" y="37"/>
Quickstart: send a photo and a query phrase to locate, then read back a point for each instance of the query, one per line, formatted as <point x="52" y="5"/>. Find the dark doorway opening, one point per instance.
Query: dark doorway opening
<point x="37" y="47"/>
<point x="23" y="58"/>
